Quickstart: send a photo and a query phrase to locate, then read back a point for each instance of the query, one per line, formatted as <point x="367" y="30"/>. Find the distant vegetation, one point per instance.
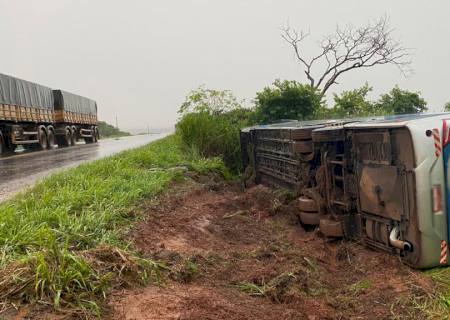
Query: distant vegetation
<point x="447" y="107"/>
<point x="109" y="131"/>
<point x="292" y="100"/>
<point x="211" y="119"/>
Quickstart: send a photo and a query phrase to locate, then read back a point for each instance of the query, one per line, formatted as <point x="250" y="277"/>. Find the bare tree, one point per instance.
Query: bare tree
<point x="349" y="49"/>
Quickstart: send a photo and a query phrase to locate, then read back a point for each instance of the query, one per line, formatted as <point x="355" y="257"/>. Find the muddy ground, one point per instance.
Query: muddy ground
<point x="244" y="255"/>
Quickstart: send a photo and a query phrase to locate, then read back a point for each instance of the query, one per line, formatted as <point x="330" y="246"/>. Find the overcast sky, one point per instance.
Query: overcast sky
<point x="139" y="58"/>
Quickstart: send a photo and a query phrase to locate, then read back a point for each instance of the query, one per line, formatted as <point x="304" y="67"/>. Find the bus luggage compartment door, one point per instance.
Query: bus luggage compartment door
<point x="382" y="185"/>
<point x="381" y="191"/>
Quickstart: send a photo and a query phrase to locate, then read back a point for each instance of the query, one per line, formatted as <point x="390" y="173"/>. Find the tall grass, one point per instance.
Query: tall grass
<point x="48" y="231"/>
<point x="215" y="135"/>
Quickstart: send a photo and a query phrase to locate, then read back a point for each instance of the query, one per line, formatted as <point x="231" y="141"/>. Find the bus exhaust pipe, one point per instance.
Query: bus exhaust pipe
<point x="396" y="242"/>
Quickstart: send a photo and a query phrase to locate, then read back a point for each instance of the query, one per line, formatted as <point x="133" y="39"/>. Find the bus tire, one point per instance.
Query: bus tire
<point x="307" y="204"/>
<point x="309" y="218"/>
<point x="331" y="228"/>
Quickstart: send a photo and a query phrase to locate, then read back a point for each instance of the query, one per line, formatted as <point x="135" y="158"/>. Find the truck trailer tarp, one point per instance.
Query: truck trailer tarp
<point x="18" y="92"/>
<point x="74" y="103"/>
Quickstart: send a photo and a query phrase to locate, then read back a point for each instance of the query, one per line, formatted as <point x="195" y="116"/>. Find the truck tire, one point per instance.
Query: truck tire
<point x="97" y="133"/>
<point x="2" y="145"/>
<point x="307" y="204"/>
<point x="42" y="137"/>
<point x="50" y="139"/>
<point x="65" y="139"/>
<point x="309" y="218"/>
<point x="94" y="135"/>
<point x="331" y="228"/>
<point x="303" y="146"/>
<point x="89" y="140"/>
<point x="74" y="137"/>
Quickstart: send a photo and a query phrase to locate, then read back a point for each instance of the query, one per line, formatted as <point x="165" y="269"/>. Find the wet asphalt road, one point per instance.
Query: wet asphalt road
<point x="23" y="169"/>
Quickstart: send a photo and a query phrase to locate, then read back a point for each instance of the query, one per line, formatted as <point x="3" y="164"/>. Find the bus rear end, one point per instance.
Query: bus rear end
<point x="400" y="176"/>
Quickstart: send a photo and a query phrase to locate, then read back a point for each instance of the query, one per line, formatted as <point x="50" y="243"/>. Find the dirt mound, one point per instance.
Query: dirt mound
<point x="237" y="255"/>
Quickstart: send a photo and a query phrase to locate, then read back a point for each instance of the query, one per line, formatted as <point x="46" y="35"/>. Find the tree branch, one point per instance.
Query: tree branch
<point x="350" y="49"/>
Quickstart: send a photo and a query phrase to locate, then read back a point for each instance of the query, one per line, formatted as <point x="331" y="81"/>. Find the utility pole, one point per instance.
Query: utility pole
<point x="117" y="123"/>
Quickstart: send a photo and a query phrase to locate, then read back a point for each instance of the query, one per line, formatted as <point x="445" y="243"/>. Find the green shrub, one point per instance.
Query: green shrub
<point x="288" y="100"/>
<point x="213" y="135"/>
<point x="210" y="125"/>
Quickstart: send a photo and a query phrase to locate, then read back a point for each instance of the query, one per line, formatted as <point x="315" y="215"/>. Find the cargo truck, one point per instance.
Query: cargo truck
<point x="38" y="117"/>
<point x="383" y="182"/>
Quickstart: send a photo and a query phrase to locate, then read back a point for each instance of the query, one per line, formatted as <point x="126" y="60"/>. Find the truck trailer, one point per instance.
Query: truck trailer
<point x="382" y="181"/>
<point x="38" y="117"/>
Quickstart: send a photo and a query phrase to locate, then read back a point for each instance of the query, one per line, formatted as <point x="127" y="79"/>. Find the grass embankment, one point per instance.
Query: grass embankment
<point x="62" y="242"/>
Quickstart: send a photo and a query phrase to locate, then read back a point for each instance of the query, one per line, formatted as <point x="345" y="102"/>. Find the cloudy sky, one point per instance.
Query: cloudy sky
<point x="139" y="58"/>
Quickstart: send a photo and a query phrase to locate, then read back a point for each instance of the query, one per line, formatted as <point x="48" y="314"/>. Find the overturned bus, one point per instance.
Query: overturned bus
<point x="380" y="181"/>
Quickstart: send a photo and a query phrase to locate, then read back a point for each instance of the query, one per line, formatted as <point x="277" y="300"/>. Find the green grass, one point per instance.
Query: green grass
<point x="50" y="235"/>
<point x="436" y="305"/>
<point x="431" y="299"/>
<point x="360" y="286"/>
<point x="254" y="289"/>
<point x="276" y="288"/>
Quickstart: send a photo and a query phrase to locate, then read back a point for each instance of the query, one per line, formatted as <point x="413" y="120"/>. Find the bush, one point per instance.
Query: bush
<point x="399" y="101"/>
<point x="210" y="125"/>
<point x="288" y="100"/>
<point x="354" y="103"/>
<point x="213" y="135"/>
